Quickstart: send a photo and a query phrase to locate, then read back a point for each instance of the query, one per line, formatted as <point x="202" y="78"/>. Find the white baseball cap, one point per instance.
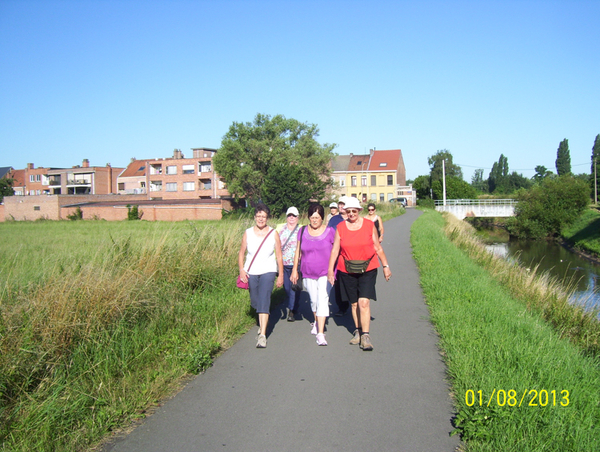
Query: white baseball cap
<point x="343" y="199"/>
<point x="333" y="204"/>
<point x="352" y="203"/>
<point x="293" y="211"/>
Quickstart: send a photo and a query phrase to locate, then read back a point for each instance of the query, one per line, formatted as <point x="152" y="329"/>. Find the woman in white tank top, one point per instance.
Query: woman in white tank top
<point x="260" y="267"/>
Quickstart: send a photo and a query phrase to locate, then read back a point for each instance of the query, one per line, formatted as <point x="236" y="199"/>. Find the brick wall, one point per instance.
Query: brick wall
<point x="31" y="207"/>
<point x="150" y="213"/>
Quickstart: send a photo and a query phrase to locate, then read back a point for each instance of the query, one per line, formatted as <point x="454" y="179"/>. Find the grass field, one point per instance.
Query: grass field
<point x="519" y="382"/>
<point x="99" y="320"/>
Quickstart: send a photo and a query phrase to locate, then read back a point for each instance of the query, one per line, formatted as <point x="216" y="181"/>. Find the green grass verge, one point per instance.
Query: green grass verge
<point x="584" y="233"/>
<point x="493" y="344"/>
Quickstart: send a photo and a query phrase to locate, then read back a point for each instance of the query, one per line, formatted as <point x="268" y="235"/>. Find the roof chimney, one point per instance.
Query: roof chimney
<point x="86" y="163"/>
<point x="177" y="154"/>
<point x="30" y="166"/>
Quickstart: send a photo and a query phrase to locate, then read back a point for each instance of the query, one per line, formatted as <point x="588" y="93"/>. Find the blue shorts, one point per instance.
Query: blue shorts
<point x="261" y="287"/>
<point x="357" y="285"/>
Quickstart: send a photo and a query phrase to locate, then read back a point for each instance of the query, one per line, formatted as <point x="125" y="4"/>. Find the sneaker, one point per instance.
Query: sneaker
<point x="365" y="343"/>
<point x="291" y="317"/>
<point x="355" y="338"/>
<point x="321" y="339"/>
<point x="262" y="341"/>
<point x="314" y="328"/>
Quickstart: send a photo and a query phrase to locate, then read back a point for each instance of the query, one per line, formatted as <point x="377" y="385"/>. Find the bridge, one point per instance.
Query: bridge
<point x="462" y="208"/>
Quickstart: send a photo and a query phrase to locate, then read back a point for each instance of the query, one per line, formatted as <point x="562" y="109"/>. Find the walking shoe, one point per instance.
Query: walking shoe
<point x="262" y="341"/>
<point x="321" y="339"/>
<point x="291" y="317"/>
<point x="355" y="338"/>
<point x="365" y="343"/>
<point x="314" y="328"/>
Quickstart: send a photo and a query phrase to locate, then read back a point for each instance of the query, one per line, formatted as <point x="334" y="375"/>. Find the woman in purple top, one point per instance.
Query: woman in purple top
<point x="316" y="241"/>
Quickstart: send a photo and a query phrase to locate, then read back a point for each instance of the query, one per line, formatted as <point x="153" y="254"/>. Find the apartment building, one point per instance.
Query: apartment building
<point x="30" y="181"/>
<point x="182" y="178"/>
<point x="83" y="180"/>
<point x="378" y="176"/>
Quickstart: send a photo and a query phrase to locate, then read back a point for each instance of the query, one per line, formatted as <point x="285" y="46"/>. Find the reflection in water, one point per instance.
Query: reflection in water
<point x="569" y="268"/>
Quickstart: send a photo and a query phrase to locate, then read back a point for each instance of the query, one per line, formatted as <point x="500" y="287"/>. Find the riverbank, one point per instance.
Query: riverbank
<point x="509" y="368"/>
<point x="583" y="236"/>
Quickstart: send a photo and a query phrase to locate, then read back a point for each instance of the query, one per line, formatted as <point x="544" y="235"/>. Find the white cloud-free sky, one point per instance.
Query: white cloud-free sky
<point x="109" y="80"/>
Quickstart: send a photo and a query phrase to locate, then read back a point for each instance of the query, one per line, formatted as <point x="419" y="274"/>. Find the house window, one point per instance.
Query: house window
<point x="390" y="179"/>
<point x="121" y="186"/>
<point x="342" y="181"/>
<point x="31" y="192"/>
<point x="143" y="184"/>
<point x="381" y="197"/>
<point x="373" y="196"/>
<point x="383" y="164"/>
<point x="171" y="186"/>
<point x="390" y="196"/>
<point x="363" y="181"/>
<point x="31" y="178"/>
<point x="38" y="177"/>
<point x="36" y="208"/>
<point x="373" y="181"/>
<point x="189" y="186"/>
<point x="187" y="169"/>
<point x="156" y="185"/>
<point x="353" y="181"/>
<point x="171" y="170"/>
<point x="207" y="185"/>
<point x="205" y="168"/>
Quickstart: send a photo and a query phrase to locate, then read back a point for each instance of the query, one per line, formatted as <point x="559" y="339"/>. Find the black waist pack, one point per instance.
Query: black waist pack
<point x="356" y="266"/>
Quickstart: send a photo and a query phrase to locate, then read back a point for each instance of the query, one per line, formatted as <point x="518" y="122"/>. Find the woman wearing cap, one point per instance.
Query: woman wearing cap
<point x="263" y="243"/>
<point x="371" y="215"/>
<point x="357" y="245"/>
<point x="316" y="241"/>
<point x="289" y="239"/>
<point x="333" y="211"/>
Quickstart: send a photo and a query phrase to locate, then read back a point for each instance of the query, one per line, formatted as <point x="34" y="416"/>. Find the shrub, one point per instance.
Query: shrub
<point x="548" y="207"/>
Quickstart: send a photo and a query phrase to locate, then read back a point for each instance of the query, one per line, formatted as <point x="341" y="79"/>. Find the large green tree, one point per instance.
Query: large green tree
<point x="455" y="189"/>
<point x="422" y="185"/>
<point x="6" y="188"/>
<point x="549" y="206"/>
<point x="541" y="172"/>
<point x="563" y="158"/>
<point x="498" y="178"/>
<point x="254" y="160"/>
<point x="435" y="163"/>
<point x="478" y="182"/>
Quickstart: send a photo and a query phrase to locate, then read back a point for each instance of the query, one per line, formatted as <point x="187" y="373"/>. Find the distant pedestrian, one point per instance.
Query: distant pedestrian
<point x="289" y="239"/>
<point x="333" y="211"/>
<point x="333" y="223"/>
<point x="314" y="249"/>
<point x="357" y="246"/>
<point x="371" y="215"/>
<point x="264" y="252"/>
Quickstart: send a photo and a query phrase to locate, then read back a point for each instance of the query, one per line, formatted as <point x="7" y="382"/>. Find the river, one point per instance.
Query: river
<point x="566" y="266"/>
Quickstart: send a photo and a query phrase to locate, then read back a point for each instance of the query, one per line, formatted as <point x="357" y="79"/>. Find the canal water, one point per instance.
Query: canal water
<point x="567" y="267"/>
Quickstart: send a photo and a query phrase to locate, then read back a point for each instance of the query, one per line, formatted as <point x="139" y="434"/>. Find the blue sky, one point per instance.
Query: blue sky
<point x="111" y="80"/>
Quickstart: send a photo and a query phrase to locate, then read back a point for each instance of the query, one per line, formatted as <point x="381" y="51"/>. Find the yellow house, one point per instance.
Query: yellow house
<point x="378" y="176"/>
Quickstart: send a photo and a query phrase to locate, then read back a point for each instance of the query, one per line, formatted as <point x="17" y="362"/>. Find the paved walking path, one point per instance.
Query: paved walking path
<point x="297" y="396"/>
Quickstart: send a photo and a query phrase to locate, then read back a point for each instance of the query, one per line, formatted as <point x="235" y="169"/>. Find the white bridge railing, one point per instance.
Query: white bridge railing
<point x="462" y="208"/>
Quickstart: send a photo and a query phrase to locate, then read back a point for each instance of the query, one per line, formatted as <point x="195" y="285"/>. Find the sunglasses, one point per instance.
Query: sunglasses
<point x="371" y="210"/>
<point x="352" y="210"/>
<point x="292" y="215"/>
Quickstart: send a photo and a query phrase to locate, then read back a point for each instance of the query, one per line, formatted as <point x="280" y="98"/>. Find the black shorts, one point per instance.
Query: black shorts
<point x="357" y="285"/>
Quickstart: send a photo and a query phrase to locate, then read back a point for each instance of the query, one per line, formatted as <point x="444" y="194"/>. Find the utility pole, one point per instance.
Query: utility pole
<point x="444" y="179"/>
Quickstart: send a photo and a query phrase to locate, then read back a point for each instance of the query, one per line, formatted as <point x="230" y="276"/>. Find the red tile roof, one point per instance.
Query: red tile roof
<point x="385" y="160"/>
<point x="135" y="169"/>
<point x="359" y="163"/>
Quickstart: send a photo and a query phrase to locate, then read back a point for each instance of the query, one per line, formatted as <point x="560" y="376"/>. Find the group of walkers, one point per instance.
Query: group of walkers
<point x="332" y="257"/>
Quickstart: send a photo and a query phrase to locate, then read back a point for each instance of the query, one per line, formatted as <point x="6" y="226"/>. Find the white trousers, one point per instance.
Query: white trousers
<point x="318" y="291"/>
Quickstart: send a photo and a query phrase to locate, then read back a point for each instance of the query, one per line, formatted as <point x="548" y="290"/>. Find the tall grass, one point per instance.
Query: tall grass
<point x="99" y="319"/>
<point x="538" y="290"/>
<point x="493" y="344"/>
